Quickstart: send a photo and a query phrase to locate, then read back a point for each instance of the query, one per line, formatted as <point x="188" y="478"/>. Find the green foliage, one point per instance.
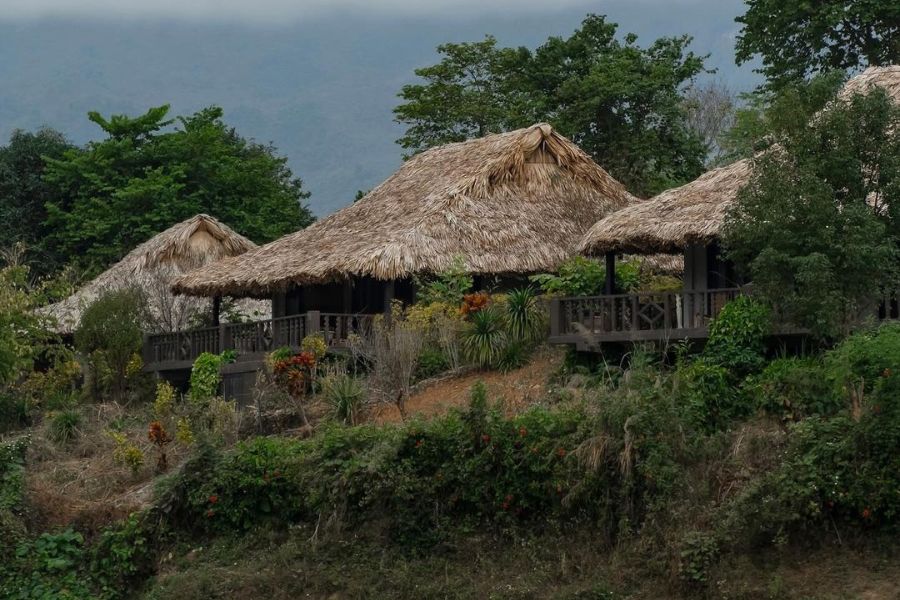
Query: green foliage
<point x="432" y="362"/>
<point x="24" y="193"/>
<point x="447" y="287"/>
<point x="524" y="317"/>
<point x="619" y="101"/>
<point x="796" y="388"/>
<point x="580" y="276"/>
<point x="12" y="473"/>
<point x="865" y="357"/>
<point x="737" y="336"/>
<point x="144" y="177"/>
<point x="485" y="336"/>
<point x="818" y="252"/>
<point x="795" y="38"/>
<point x="64" y="425"/>
<point x="698" y="554"/>
<point x="514" y="355"/>
<point x="110" y="333"/>
<point x="23" y="334"/>
<point x="345" y="396"/>
<point x="48" y="567"/>
<point x="205" y="377"/>
<point x="709" y="395"/>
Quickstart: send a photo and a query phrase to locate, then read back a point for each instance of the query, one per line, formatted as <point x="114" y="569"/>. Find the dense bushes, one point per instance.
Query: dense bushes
<point x="109" y="334"/>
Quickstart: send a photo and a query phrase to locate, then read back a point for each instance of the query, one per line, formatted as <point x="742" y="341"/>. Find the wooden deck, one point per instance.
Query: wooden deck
<point x="178" y="350"/>
<point x="589" y="321"/>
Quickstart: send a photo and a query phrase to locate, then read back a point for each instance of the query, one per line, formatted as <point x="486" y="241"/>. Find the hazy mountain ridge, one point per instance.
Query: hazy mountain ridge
<point x="321" y="90"/>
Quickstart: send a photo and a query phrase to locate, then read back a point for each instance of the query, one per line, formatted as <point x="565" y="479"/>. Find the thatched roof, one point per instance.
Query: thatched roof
<point x="694" y="213"/>
<point x="153" y="266"/>
<point x="515" y="202"/>
<point x="690" y="214"/>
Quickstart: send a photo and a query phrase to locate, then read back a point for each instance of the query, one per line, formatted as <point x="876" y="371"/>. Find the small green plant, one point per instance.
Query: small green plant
<point x="205" y="377"/>
<point x="447" y="287"/>
<point x="345" y="395"/>
<point x="795" y="388"/>
<point x="432" y="362"/>
<point x="125" y="453"/>
<point x="314" y="344"/>
<point x="698" y="555"/>
<point x="513" y="355"/>
<point x="485" y="337"/>
<point x="64" y="425"/>
<point x="164" y="404"/>
<point x="578" y="276"/>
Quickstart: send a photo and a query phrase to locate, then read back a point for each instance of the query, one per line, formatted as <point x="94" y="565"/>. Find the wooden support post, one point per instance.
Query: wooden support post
<point x="348" y="296"/>
<point x="555" y="317"/>
<point x="216" y="310"/>
<point x="610" y="285"/>
<point x="224" y="342"/>
<point x="313" y="322"/>
<point x="388" y="297"/>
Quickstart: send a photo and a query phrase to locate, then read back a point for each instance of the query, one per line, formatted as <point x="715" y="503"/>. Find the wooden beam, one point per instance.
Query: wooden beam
<point x="216" y="310"/>
<point x="610" y="286"/>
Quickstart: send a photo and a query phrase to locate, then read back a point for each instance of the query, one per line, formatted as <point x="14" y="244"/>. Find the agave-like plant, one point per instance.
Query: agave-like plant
<point x="485" y="337"/>
<point x="523" y="314"/>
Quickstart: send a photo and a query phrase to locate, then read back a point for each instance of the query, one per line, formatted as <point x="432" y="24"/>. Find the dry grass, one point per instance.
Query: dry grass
<point x="515" y="202"/>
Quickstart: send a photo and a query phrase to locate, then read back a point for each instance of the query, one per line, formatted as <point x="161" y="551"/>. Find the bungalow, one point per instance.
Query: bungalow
<point x="686" y="221"/>
<point x="507" y="205"/>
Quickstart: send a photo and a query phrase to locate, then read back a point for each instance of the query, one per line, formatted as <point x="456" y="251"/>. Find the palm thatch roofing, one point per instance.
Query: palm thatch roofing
<point x="515" y="202"/>
<point x="694" y="213"/>
<point x="152" y="267"/>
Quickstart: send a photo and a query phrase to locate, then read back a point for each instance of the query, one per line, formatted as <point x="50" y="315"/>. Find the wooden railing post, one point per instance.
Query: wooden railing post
<point x="223" y="338"/>
<point x="555" y="317"/>
<point x="313" y="322"/>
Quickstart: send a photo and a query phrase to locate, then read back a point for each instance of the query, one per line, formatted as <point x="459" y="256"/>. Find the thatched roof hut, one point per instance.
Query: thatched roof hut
<point x="153" y="266"/>
<point x="515" y="202"/>
<point x="694" y="213"/>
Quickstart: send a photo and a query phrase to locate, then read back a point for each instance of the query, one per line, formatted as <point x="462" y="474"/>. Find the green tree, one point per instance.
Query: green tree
<point x="817" y="226"/>
<point x="622" y="103"/>
<point x="151" y="172"/>
<point x="796" y="38"/>
<point x="24" y="194"/>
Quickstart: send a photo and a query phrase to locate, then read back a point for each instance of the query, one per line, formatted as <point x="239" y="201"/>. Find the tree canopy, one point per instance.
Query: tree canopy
<point x="151" y="172"/>
<point x="818" y="225"/>
<point x="24" y="194"/>
<point x="797" y="38"/>
<point x="619" y="101"/>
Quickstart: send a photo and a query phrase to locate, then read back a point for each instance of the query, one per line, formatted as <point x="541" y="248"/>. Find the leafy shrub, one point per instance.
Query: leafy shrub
<point x="111" y="328"/>
<point x="205" y="377"/>
<point x="709" y="395"/>
<point x="699" y="552"/>
<point x="64" y="425"/>
<point x="795" y="388"/>
<point x="15" y="411"/>
<point x="865" y="357"/>
<point x="432" y="362"/>
<point x="47" y="567"/>
<point x="12" y="473"/>
<point x="485" y="337"/>
<point x="513" y="355"/>
<point x="345" y="395"/>
<point x="164" y="404"/>
<point x="447" y="287"/>
<point x="578" y="276"/>
<point x="126" y="454"/>
<point x="737" y="336"/>
<point x="315" y="345"/>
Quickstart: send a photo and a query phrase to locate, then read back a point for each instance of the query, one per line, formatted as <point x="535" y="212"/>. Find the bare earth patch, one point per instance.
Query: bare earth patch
<point x="515" y="390"/>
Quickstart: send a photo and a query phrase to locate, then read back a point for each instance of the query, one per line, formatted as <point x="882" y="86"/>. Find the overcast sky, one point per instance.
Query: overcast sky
<point x="279" y="11"/>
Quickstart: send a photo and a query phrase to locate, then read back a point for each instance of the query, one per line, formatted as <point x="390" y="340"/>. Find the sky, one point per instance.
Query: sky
<point x="278" y="11"/>
<point x="316" y="78"/>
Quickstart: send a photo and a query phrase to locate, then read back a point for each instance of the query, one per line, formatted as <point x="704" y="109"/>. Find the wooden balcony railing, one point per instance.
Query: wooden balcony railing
<point x="179" y="348"/>
<point x="634" y="317"/>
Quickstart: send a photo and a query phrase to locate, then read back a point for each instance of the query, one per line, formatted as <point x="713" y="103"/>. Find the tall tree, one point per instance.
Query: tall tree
<point x="797" y="38"/>
<point x="143" y="178"/>
<point x="818" y="225"/>
<point x="24" y="194"/>
<point x="622" y="103"/>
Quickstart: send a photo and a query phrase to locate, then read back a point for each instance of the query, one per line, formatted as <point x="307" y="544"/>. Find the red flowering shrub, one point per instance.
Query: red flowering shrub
<point x="159" y="438"/>
<point x="474" y="302"/>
